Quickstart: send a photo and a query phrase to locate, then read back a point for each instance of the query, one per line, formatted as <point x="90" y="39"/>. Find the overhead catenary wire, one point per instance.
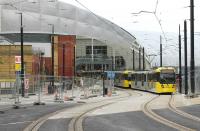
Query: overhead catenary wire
<point x="157" y="18"/>
<point x="104" y="20"/>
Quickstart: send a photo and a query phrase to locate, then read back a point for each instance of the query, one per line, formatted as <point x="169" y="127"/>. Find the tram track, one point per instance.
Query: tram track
<point x="148" y="111"/>
<point x="173" y="108"/>
<point x="76" y="122"/>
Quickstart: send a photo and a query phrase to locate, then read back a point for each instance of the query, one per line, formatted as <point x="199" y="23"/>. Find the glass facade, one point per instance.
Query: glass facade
<point x="98" y="51"/>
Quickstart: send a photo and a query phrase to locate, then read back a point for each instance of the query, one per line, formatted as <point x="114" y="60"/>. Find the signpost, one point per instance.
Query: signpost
<point x="110" y="74"/>
<point x="17" y="63"/>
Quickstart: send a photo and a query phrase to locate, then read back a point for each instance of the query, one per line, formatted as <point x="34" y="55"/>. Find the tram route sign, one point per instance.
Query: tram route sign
<point x="110" y="74"/>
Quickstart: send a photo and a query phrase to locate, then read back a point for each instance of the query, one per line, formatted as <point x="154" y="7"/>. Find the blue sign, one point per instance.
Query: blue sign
<point x="110" y="74"/>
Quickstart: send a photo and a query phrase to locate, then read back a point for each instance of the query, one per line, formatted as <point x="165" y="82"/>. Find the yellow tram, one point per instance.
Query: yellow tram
<point x="123" y="78"/>
<point x="159" y="80"/>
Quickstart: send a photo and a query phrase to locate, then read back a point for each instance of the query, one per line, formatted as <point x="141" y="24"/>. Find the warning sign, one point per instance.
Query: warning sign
<point x="26" y="84"/>
<point x="17" y="67"/>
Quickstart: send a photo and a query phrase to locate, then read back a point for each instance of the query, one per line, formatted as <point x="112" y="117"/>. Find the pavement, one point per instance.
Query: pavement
<point x="182" y="100"/>
<point x="78" y="95"/>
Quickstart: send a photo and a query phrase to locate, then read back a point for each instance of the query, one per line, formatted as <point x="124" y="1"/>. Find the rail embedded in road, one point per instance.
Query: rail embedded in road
<point x="173" y="108"/>
<point x="148" y="111"/>
<point x="82" y="111"/>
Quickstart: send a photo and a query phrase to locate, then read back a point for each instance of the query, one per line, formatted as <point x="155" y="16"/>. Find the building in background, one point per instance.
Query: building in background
<point x="72" y="28"/>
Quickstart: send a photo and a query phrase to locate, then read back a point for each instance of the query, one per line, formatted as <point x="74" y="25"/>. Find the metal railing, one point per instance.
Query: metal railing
<point x="38" y="89"/>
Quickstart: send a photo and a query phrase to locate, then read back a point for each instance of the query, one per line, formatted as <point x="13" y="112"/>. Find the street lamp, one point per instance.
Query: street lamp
<point x="52" y="54"/>
<point x="22" y="52"/>
<point x="133" y="51"/>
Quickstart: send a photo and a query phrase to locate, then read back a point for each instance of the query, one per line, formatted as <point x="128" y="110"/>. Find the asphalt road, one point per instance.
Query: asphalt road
<point x="169" y="115"/>
<point x="55" y="125"/>
<point x="127" y="121"/>
<point x="138" y="121"/>
<point x="193" y="110"/>
<point x="18" y="119"/>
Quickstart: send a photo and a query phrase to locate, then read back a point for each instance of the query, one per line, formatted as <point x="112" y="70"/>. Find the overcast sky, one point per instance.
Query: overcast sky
<point x="171" y="13"/>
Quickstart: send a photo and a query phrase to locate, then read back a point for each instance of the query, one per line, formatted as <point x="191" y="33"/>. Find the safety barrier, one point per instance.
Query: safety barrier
<point x="41" y="89"/>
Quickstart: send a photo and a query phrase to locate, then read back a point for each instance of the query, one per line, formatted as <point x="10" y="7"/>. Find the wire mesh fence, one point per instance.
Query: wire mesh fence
<point x="43" y="88"/>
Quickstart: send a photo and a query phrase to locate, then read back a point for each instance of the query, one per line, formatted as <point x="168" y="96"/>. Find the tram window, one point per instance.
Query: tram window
<point x="149" y="76"/>
<point x="136" y="77"/>
<point x="126" y="77"/>
<point x="156" y="76"/>
<point x="133" y="77"/>
<point x="144" y="77"/>
<point x="139" y="77"/>
<point x="167" y="78"/>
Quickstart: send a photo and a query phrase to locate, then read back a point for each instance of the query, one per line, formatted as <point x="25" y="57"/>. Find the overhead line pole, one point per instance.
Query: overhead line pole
<point x="139" y="58"/>
<point x="22" y="54"/>
<point x="133" y="59"/>
<point x="160" y="51"/>
<point x="192" y="61"/>
<point x="185" y="50"/>
<point x="180" y="72"/>
<point x="143" y="59"/>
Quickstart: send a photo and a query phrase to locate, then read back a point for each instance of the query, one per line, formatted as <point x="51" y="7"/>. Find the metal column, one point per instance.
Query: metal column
<point x="22" y="55"/>
<point x="143" y="59"/>
<point x="160" y="51"/>
<point x="185" y="50"/>
<point x="180" y="72"/>
<point x="192" y="64"/>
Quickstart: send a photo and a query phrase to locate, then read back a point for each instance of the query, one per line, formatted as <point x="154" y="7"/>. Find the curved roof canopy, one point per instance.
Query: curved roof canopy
<point x="40" y="15"/>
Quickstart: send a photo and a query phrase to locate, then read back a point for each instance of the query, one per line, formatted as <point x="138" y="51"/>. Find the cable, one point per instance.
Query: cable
<point x="104" y="20"/>
<point x="157" y="19"/>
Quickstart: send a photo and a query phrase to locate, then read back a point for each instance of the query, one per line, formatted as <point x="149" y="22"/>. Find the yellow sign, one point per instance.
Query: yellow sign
<point x="17" y="67"/>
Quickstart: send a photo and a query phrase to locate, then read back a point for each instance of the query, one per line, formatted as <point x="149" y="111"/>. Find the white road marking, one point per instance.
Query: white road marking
<point x="14" y="123"/>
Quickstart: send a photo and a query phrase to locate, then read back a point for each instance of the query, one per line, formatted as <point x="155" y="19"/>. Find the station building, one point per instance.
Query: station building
<point x="80" y="40"/>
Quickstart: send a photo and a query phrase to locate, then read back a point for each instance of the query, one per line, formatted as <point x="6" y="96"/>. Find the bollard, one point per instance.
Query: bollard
<point x="39" y="94"/>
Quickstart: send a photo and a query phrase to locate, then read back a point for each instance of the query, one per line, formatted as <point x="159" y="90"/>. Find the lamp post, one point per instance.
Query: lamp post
<point x="22" y="52"/>
<point x="52" y="54"/>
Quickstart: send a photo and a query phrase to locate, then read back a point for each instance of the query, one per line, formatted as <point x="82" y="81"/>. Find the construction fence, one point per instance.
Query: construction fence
<point x="39" y="88"/>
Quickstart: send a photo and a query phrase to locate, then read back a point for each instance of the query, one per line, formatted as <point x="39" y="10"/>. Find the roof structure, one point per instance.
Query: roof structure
<point x="40" y="15"/>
